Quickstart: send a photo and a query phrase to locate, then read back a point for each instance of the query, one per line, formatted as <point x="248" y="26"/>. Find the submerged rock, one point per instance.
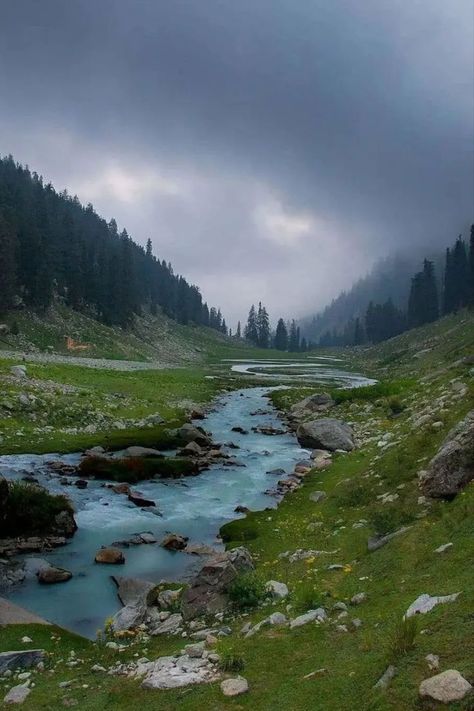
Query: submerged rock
<point x="112" y="556"/>
<point x="326" y="433"/>
<point x="50" y="575"/>
<point x="174" y="542"/>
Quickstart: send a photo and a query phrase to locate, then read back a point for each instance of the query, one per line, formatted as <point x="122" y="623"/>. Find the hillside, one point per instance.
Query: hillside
<point x="332" y="542"/>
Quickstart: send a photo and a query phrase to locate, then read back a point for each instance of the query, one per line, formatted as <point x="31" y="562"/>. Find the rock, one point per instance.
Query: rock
<point x="240" y="430"/>
<point x="121" y="488"/>
<point x="276" y="472"/>
<point x="200" y="549"/>
<point x="277" y="618"/>
<point x="22" y="659"/>
<point x="311" y="404"/>
<point x="17" y="694"/>
<point x="207" y="593"/>
<point x="64" y="523"/>
<point x="195" y="651"/>
<point x="433" y="661"/>
<point x="447" y="687"/>
<point x="19" y="371"/>
<point x="168" y="598"/>
<point x="192" y="449"/>
<point x="147" y="537"/>
<point x="358" y="598"/>
<point x="141" y="452"/>
<point x="234" y="687"/>
<point x="386" y="677"/>
<point x="424" y="603"/>
<point x="174" y="542"/>
<point x="278" y="591"/>
<point x="378" y="541"/>
<point x="170" y="626"/>
<point x="50" y="575"/>
<point x="176" y="672"/>
<point x="317" y="496"/>
<point x="81" y="483"/>
<point x="111" y="556"/>
<point x="129" y="617"/>
<point x="452" y="468"/>
<point x="132" y="590"/>
<point x="139" y="500"/>
<point x="326" y="433"/>
<point x="190" y="433"/>
<point x="310" y="616"/>
<point x="445" y="547"/>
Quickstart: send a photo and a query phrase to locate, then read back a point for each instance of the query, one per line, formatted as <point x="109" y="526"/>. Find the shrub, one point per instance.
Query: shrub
<point x="402" y="638"/>
<point x="355" y="495"/>
<point x="246" y="591"/>
<point x="306" y="598"/>
<point x="30" y="510"/>
<point x="134" y="469"/>
<point x="240" y="530"/>
<point x="395" y="406"/>
<point x="388" y="518"/>
<point x="231" y="661"/>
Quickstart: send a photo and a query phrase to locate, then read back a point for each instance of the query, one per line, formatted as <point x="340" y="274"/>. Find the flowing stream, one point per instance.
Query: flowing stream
<point x="192" y="506"/>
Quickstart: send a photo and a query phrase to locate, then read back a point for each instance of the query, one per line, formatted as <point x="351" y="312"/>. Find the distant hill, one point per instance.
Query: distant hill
<point x="53" y="249"/>
<point x="390" y="278"/>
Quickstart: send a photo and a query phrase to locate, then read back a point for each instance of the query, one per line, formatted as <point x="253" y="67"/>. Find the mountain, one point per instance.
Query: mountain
<point x="54" y="248"/>
<point x="389" y="279"/>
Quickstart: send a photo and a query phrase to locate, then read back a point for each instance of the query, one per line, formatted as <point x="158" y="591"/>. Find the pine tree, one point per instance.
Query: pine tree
<point x="293" y="338"/>
<point x="263" y="327"/>
<point x="7" y="266"/>
<point x="471" y="266"/>
<point x="239" y="330"/>
<point x="251" y="329"/>
<point x="359" y="334"/>
<point x="281" y="336"/>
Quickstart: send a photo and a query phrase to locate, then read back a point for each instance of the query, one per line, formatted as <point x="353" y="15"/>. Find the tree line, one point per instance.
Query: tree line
<point x="52" y="246"/>
<point x="428" y="299"/>
<point x="286" y="337"/>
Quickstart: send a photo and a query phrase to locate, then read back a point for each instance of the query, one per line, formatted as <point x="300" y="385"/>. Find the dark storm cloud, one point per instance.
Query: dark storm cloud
<point x="272" y="148"/>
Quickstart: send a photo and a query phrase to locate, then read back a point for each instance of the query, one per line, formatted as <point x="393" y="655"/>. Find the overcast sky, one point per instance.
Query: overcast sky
<point x="271" y="149"/>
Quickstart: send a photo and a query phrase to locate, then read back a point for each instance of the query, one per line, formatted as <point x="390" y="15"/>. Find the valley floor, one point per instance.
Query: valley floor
<point x="426" y="386"/>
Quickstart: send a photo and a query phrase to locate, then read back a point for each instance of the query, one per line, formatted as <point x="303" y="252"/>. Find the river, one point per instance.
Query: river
<point x="193" y="506"/>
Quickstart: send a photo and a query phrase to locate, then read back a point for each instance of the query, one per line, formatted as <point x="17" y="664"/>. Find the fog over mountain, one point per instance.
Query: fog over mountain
<point x="271" y="149"/>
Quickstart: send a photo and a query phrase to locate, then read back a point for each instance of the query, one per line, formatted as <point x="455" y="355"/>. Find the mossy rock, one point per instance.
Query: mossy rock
<point x="134" y="469"/>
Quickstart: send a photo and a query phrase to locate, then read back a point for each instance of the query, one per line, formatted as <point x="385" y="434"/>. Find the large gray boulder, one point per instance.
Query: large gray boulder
<point x="311" y="404"/>
<point x="132" y="590"/>
<point x="207" y="594"/>
<point x="22" y="659"/>
<point x="326" y="433"/>
<point x="452" y="468"/>
<point x="191" y="433"/>
<point x="447" y="687"/>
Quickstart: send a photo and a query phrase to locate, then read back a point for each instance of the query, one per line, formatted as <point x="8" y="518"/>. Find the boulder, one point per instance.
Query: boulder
<point x="129" y="617"/>
<point x="136" y="498"/>
<point x="447" y="687"/>
<point x="310" y="616"/>
<point x="277" y="590"/>
<point x="110" y="556"/>
<point x="190" y="433"/>
<point x="314" y="403"/>
<point x="172" y="625"/>
<point x="19" y="371"/>
<point x="326" y="433"/>
<point x="132" y="590"/>
<point x="207" y="593"/>
<point x="50" y="575"/>
<point x="452" y="468"/>
<point x="174" y="542"/>
<point x="64" y="523"/>
<point x="234" y="687"/>
<point x="122" y="488"/>
<point x="23" y="659"/>
<point x="17" y="694"/>
<point x="317" y="496"/>
<point x="137" y="451"/>
<point x="192" y="449"/>
<point x="424" y="603"/>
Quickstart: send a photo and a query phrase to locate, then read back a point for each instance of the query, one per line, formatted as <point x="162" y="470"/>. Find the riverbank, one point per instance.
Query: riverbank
<point x="369" y="493"/>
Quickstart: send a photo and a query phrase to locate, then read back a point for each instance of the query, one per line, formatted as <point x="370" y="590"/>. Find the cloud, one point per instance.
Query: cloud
<point x="271" y="149"/>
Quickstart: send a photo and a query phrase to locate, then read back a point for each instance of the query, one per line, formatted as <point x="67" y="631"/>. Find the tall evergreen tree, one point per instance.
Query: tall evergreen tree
<point x="239" y="330"/>
<point x="281" y="336"/>
<point x="471" y="266"/>
<point x="7" y="266"/>
<point x="293" y="338"/>
<point x="263" y="326"/>
<point x="251" y="329"/>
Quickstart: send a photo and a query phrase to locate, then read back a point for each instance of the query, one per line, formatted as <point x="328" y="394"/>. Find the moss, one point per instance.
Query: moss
<point x="29" y="510"/>
<point x="133" y="469"/>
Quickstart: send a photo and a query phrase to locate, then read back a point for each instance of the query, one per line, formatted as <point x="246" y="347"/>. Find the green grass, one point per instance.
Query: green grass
<point x="134" y="469"/>
<point x="27" y="510"/>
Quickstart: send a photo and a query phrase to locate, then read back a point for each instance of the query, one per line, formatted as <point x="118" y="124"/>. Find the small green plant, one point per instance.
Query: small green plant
<point x="396" y="406"/>
<point x="29" y="509"/>
<point x="355" y="494"/>
<point x="246" y="591"/>
<point x="388" y="519"/>
<point x="306" y="598"/>
<point x="402" y="638"/>
<point x="231" y="661"/>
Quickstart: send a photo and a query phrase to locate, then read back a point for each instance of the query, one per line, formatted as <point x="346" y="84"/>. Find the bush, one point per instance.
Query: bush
<point x="388" y="519"/>
<point x="30" y="510"/>
<point x="402" y="638"/>
<point x="134" y="469"/>
<point x="395" y="406"/>
<point x="355" y="495"/>
<point x="246" y="591"/>
<point x="240" y="530"/>
<point x="306" y="598"/>
<point x="231" y="661"/>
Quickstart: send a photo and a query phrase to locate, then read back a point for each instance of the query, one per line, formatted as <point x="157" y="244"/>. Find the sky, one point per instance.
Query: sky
<point x="272" y="150"/>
